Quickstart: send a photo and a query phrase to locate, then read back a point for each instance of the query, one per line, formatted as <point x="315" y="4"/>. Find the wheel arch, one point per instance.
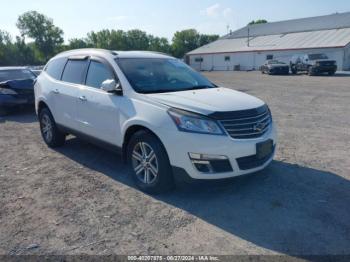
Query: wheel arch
<point x="130" y="131"/>
<point x="42" y="104"/>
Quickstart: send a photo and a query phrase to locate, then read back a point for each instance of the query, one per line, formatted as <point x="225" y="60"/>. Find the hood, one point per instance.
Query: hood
<point x="18" y="84"/>
<point x="206" y="101"/>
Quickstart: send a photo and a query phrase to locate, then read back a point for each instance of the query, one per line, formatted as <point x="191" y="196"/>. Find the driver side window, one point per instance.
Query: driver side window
<point x="97" y="74"/>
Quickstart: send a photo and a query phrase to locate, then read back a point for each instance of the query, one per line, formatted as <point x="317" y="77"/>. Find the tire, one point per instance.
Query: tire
<point x="151" y="173"/>
<point x="331" y="73"/>
<point x="52" y="136"/>
<point x="294" y="71"/>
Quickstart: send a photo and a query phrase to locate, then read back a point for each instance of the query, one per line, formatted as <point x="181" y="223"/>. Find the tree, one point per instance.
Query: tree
<point x="259" y="21"/>
<point x="46" y="35"/>
<point x="159" y="44"/>
<point x="77" y="43"/>
<point x="6" y="48"/>
<point x="188" y="40"/>
<point x="24" y="54"/>
<point x="137" y="40"/>
<point x="206" y="39"/>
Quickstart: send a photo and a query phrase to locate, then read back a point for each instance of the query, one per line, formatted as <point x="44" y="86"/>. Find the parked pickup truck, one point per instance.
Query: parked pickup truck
<point x="313" y="64"/>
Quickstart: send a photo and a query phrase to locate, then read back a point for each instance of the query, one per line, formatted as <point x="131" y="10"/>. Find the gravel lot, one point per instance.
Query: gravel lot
<point x="80" y="198"/>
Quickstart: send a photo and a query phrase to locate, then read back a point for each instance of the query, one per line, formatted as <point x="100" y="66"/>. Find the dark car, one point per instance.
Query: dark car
<point x="313" y="64"/>
<point x="274" y="67"/>
<point x="16" y="88"/>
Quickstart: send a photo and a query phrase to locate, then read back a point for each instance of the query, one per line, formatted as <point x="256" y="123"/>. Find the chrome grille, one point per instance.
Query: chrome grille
<point x="254" y="126"/>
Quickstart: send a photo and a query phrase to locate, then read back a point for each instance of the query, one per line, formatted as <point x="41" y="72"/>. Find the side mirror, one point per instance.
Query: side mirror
<point x="110" y="86"/>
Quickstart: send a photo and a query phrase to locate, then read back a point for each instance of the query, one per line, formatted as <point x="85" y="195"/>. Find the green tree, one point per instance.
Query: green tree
<point x="47" y="37"/>
<point x="159" y="44"/>
<point x="24" y="54"/>
<point x="77" y="43"/>
<point x="185" y="41"/>
<point x="6" y="48"/>
<point x="137" y="40"/>
<point x="188" y="40"/>
<point x="206" y="39"/>
<point x="259" y="21"/>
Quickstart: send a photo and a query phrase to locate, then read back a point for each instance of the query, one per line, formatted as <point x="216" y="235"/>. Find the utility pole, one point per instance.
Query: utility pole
<point x="248" y="36"/>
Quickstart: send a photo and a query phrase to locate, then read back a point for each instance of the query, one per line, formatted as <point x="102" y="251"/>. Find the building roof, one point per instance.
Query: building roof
<point x="315" y="32"/>
<point x="334" y="21"/>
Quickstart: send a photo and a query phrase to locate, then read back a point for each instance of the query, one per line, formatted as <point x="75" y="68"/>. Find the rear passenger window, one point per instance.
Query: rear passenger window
<point x="55" y="68"/>
<point x="97" y="74"/>
<point x="74" y="71"/>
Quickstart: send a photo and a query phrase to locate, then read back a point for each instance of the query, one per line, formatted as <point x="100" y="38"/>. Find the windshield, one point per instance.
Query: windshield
<point x="15" y="74"/>
<point x="317" y="56"/>
<point x="159" y="75"/>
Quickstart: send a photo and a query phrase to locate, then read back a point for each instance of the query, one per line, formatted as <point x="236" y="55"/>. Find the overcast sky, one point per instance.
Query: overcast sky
<point x="163" y="17"/>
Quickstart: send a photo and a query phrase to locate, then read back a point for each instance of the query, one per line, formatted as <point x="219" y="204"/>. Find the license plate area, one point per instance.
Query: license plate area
<point x="264" y="149"/>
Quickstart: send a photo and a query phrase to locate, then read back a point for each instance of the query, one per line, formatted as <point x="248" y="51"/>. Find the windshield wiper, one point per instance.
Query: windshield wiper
<point x="174" y="90"/>
<point x="199" y="87"/>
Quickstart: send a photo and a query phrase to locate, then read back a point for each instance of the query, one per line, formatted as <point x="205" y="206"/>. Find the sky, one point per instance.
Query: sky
<point x="163" y="17"/>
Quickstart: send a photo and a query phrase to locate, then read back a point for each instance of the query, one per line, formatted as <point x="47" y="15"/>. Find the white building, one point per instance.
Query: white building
<point x="249" y="47"/>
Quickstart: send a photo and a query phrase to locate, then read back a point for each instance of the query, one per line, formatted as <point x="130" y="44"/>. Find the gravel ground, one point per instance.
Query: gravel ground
<point x="80" y="198"/>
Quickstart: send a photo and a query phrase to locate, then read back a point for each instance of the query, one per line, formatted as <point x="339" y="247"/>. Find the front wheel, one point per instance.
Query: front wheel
<point x="149" y="163"/>
<point x="331" y="73"/>
<point x="52" y="136"/>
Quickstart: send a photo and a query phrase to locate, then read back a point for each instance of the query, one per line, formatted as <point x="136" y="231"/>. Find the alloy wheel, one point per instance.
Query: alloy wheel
<point x="46" y="127"/>
<point x="145" y="163"/>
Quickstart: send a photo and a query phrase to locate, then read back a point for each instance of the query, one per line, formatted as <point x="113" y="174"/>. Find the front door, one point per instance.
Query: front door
<point x="98" y="111"/>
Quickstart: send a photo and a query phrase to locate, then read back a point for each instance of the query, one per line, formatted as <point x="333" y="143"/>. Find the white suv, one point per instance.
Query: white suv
<point x="166" y="119"/>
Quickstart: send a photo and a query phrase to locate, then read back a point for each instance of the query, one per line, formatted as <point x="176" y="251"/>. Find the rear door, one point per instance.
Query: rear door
<point x="67" y="91"/>
<point x="98" y="110"/>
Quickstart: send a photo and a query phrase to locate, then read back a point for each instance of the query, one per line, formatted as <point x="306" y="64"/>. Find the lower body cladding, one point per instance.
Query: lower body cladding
<point x="217" y="157"/>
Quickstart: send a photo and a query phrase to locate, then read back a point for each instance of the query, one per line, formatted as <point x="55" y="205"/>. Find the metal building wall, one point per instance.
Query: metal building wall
<point x="253" y="60"/>
<point x="347" y="57"/>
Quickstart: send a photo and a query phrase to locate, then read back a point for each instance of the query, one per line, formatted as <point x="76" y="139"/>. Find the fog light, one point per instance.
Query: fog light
<point x="210" y="163"/>
<point x="195" y="156"/>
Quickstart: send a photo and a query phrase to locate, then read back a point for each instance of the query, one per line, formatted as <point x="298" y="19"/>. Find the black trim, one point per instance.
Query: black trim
<point x="239" y="114"/>
<point x="181" y="174"/>
<point x="251" y="162"/>
<point x="90" y="139"/>
<point x="221" y="166"/>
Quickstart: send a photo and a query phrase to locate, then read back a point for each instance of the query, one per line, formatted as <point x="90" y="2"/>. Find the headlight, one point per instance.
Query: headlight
<point x="6" y="91"/>
<point x="191" y="122"/>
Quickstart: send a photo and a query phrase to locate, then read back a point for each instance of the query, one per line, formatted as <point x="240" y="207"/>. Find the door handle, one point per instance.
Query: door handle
<point x="56" y="91"/>
<point x="82" y="98"/>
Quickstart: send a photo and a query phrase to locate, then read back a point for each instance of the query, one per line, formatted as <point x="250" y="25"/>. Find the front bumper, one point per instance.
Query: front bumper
<point x="279" y="70"/>
<point x="324" y="69"/>
<point x="180" y="144"/>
